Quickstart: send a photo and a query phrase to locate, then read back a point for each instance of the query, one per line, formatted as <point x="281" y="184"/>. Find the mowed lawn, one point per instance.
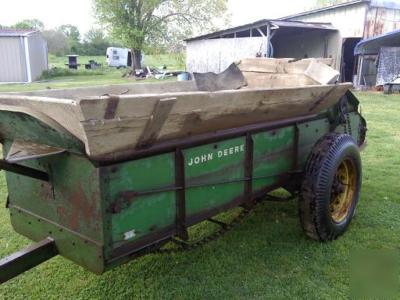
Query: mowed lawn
<point x="102" y="76"/>
<point x="266" y="257"/>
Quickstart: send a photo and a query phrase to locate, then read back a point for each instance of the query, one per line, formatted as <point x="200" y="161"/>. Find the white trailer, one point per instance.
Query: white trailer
<point x="119" y="57"/>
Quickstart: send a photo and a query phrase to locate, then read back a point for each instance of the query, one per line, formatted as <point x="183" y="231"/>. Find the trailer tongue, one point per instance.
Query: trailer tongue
<point x="103" y="175"/>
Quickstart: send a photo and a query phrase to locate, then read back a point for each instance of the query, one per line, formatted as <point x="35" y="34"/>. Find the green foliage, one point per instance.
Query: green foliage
<point x="62" y="72"/>
<point x="73" y="36"/>
<point x="29" y="24"/>
<point x="57" y="42"/>
<point x="95" y="43"/>
<point x="70" y="31"/>
<point x="150" y="24"/>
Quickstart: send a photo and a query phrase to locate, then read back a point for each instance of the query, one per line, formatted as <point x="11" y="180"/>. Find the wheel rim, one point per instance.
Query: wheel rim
<point x="343" y="190"/>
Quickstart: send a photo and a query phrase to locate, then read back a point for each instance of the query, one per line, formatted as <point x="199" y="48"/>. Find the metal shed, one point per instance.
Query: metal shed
<point x="23" y="55"/>
<point x="267" y="38"/>
<point x="355" y="20"/>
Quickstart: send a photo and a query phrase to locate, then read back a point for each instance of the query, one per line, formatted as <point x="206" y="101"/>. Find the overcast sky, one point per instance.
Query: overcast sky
<point x="78" y="12"/>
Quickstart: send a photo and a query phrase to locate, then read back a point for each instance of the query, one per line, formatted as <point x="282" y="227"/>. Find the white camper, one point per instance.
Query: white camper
<point x="119" y="57"/>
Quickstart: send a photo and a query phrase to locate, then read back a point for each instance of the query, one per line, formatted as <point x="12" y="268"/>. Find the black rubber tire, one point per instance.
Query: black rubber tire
<point x="314" y="203"/>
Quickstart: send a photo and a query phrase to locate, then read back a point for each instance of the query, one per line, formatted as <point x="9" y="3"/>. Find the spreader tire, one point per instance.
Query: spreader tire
<point x="331" y="187"/>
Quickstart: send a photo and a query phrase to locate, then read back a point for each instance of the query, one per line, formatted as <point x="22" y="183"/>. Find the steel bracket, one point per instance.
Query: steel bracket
<point x="24" y="171"/>
<point x="26" y="259"/>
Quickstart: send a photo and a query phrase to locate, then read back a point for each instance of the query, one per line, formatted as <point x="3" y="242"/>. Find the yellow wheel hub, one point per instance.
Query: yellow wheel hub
<point x="343" y="190"/>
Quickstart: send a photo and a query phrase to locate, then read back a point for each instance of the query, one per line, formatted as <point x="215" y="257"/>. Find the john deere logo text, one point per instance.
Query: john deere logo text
<point x="201" y="159"/>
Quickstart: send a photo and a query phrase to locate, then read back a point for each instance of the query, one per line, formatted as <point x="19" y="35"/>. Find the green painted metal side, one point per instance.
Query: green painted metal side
<point x="20" y="126"/>
<point x="69" y="208"/>
<point x="214" y="175"/>
<point x="273" y="156"/>
<point x="99" y="217"/>
<point x="309" y="134"/>
<point x="138" y="215"/>
<point x="214" y="179"/>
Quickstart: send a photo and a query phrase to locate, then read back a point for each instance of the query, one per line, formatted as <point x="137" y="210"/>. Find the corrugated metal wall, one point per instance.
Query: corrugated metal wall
<point x="217" y="54"/>
<point x="358" y="20"/>
<point x="38" y="55"/>
<point x="348" y="19"/>
<point x="12" y="60"/>
<point x="381" y="20"/>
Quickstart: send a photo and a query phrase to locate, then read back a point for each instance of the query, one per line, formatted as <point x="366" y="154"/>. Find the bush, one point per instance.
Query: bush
<point x="61" y="72"/>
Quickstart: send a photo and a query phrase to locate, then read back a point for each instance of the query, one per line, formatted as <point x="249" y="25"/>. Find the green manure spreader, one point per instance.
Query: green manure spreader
<point x="104" y="175"/>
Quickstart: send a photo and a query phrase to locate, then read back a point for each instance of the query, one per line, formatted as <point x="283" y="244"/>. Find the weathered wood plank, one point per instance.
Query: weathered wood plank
<point x="266" y="80"/>
<point x="141" y="118"/>
<point x="156" y="121"/>
<point x="279" y="66"/>
<point x="321" y="73"/>
<point x="203" y="112"/>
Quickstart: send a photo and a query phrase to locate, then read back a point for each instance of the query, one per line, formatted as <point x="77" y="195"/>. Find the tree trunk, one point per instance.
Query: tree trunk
<point x="136" y="59"/>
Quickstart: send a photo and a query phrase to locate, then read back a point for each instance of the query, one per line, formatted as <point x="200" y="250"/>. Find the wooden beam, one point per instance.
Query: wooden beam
<point x="156" y="121"/>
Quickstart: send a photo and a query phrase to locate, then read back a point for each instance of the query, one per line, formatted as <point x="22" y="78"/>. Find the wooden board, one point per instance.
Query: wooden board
<point x="201" y="112"/>
<point x="322" y="73"/>
<point x="156" y="122"/>
<point x="279" y="66"/>
<point x="267" y="80"/>
<point x="140" y="118"/>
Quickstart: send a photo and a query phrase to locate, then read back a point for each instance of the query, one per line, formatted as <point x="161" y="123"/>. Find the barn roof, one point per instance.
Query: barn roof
<point x="390" y="4"/>
<point x="16" y="32"/>
<point x="275" y="24"/>
<point x="331" y="7"/>
<point x="372" y="46"/>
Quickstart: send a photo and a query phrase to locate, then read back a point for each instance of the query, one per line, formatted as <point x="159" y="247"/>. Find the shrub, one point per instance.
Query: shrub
<point x="62" y="72"/>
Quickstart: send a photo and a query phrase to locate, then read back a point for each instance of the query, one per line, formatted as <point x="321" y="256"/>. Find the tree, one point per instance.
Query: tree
<point x="30" y="24"/>
<point x="57" y="42"/>
<point x="70" y="31"/>
<point x="95" y="42"/>
<point x="73" y="36"/>
<point x="140" y="24"/>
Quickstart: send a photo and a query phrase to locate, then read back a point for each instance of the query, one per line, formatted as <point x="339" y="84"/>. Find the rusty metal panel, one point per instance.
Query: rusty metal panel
<point x="381" y="20"/>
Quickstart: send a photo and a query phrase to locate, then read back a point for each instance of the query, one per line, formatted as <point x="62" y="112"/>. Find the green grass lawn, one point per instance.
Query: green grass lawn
<point x="266" y="257"/>
<point x="86" y="78"/>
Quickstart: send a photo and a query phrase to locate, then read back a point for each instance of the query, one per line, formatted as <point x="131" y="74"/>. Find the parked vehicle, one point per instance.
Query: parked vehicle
<point x="103" y="175"/>
<point x="119" y="57"/>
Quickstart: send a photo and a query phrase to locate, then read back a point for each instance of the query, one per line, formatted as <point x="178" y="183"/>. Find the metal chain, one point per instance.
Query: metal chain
<point x="185" y="246"/>
<point x="348" y="124"/>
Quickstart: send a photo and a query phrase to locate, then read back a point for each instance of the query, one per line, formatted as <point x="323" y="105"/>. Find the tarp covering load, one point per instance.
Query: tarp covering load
<point x="389" y="65"/>
<point x="104" y="121"/>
